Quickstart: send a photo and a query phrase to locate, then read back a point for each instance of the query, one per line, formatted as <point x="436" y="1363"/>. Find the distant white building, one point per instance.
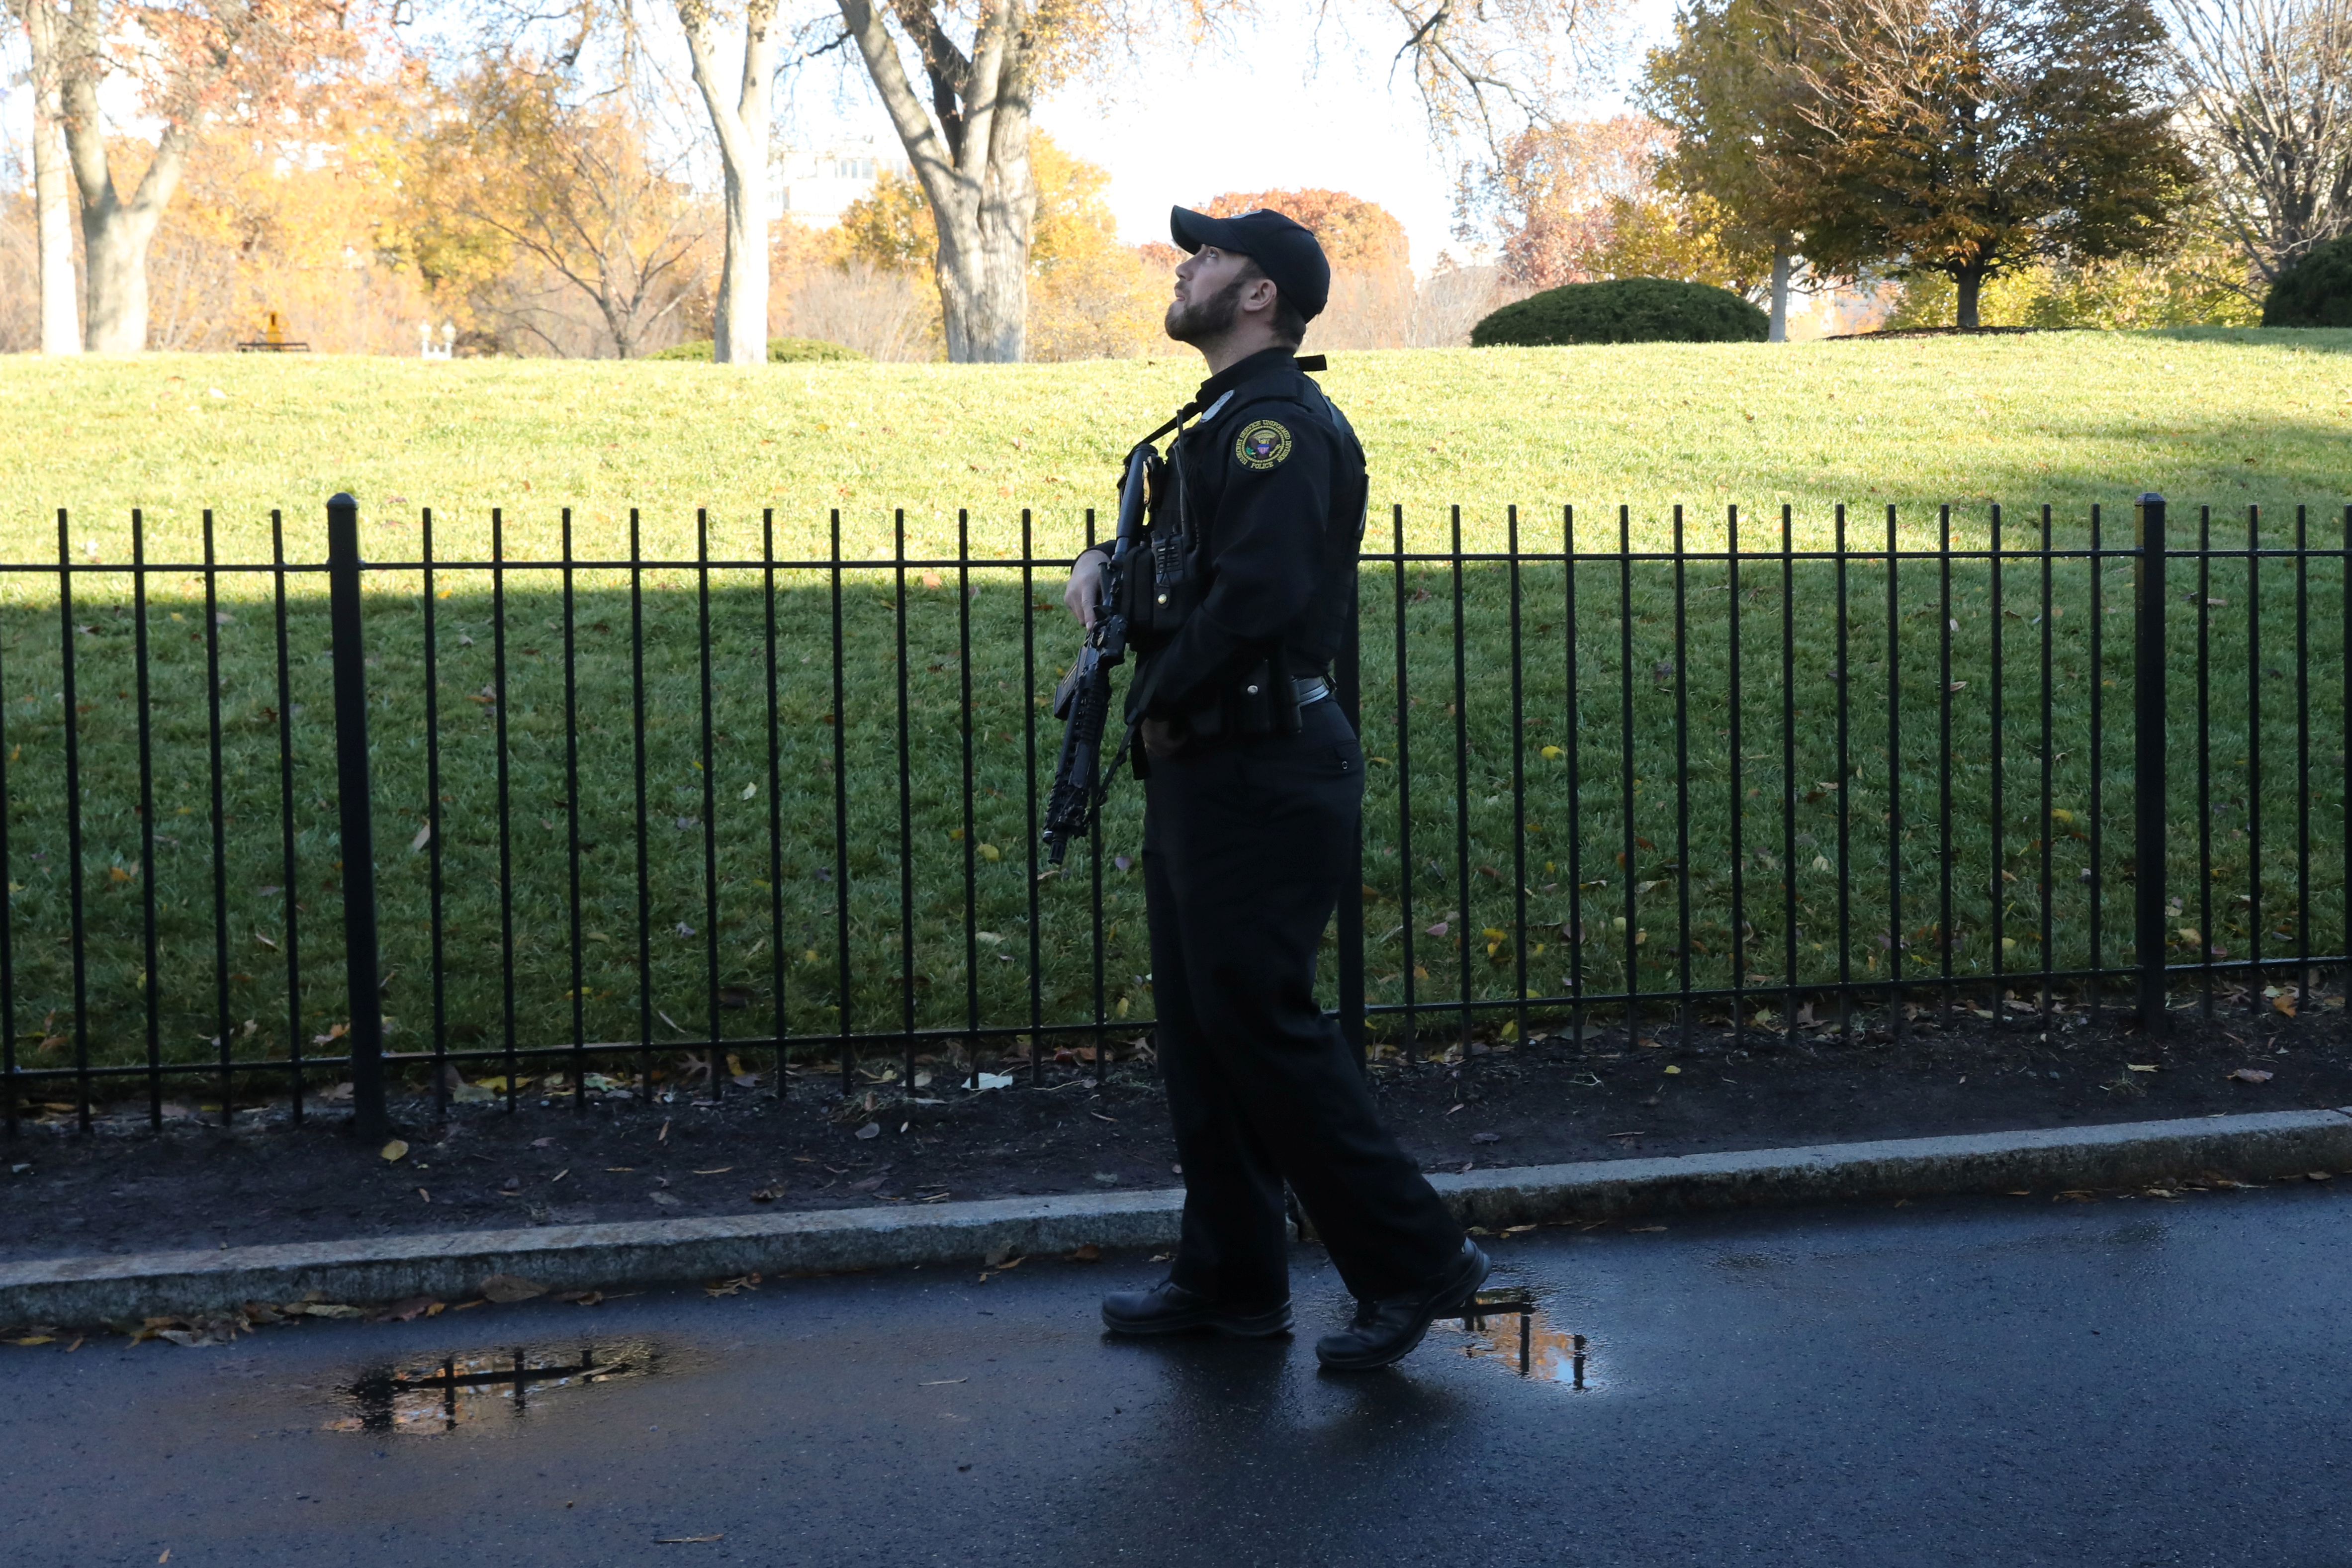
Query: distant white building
<point x="814" y="184"/>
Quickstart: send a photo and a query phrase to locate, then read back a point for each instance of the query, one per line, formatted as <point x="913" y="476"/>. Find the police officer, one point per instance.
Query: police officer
<point x="1253" y="786"/>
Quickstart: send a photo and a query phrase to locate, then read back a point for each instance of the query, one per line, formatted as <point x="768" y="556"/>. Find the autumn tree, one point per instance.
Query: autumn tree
<point x="1726" y="85"/>
<point x="253" y="230"/>
<point x="1090" y="296"/>
<point x="1973" y="137"/>
<point x="1557" y="189"/>
<point x="517" y="168"/>
<point x="1354" y="233"/>
<point x="2266" y="90"/>
<point x="187" y="63"/>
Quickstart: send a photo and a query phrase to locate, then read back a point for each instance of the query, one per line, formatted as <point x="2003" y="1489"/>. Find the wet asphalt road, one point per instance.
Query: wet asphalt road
<point x="2006" y="1382"/>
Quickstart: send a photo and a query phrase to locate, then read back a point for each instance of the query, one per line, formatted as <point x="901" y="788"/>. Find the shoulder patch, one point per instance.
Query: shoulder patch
<point x="1261" y="444"/>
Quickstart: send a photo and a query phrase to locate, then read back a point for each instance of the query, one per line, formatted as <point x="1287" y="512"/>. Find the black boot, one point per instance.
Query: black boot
<point x="1169" y="1308"/>
<point x="1386" y="1331"/>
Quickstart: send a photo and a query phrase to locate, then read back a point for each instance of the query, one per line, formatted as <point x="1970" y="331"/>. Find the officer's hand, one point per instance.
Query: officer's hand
<point x="1164" y="738"/>
<point x="1085" y="591"/>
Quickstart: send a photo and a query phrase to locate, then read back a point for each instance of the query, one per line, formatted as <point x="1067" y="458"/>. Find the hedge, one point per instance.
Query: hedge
<point x="1625" y="311"/>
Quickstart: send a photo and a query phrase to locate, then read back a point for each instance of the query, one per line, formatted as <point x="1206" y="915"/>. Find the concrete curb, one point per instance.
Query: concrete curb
<point x="88" y="1290"/>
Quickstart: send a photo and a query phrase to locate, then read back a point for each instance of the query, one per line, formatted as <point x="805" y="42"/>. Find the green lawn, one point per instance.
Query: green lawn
<point x="2218" y="417"/>
<point x="2073" y="420"/>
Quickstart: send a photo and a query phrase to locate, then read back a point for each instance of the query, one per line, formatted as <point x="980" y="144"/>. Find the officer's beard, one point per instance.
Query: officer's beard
<point x="1202" y="320"/>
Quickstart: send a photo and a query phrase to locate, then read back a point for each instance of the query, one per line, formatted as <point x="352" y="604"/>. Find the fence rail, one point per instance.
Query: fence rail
<point x="719" y="821"/>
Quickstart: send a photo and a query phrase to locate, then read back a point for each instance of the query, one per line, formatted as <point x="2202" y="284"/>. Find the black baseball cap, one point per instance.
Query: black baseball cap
<point x="1285" y="250"/>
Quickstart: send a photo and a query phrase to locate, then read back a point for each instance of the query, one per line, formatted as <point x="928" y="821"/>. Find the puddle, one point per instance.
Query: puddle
<point x="490" y="1388"/>
<point x="1525" y="1342"/>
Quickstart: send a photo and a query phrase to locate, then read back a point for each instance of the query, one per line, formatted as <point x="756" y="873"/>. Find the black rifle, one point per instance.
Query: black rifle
<point x="1083" y="699"/>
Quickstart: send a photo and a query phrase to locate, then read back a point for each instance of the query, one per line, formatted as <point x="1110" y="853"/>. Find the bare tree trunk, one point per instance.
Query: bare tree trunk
<point x="115" y="233"/>
<point x="1968" y="285"/>
<point x="972" y="161"/>
<point x="739" y="334"/>
<point x="1781" y="260"/>
<point x="52" y="204"/>
<point x="984" y="293"/>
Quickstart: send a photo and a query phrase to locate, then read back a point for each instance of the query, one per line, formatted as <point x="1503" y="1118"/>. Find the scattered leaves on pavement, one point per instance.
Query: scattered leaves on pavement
<point x="505" y="1288"/>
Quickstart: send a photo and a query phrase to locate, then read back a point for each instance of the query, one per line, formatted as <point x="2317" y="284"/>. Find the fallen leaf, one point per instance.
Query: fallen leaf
<point x="393" y="1150"/>
<point x="409" y="1311"/>
<point x="668" y="1201"/>
<point x="871" y="1129"/>
<point x="505" y="1288"/>
<point x="1089" y="1253"/>
<point x="2251" y="1075"/>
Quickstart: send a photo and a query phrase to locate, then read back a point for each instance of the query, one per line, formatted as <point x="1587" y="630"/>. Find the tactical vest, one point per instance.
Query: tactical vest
<point x="1181" y="547"/>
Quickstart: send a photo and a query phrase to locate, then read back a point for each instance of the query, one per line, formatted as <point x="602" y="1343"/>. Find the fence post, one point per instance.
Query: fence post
<point x="357" y="823"/>
<point x="2149" y="758"/>
<point x="1348" y="692"/>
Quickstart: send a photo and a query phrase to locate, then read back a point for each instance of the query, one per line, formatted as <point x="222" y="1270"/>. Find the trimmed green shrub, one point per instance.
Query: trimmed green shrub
<point x="780" y="351"/>
<point x="2316" y="291"/>
<point x="1625" y="311"/>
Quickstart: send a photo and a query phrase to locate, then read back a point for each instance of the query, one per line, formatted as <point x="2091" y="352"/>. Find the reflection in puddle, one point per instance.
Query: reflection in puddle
<point x="1516" y="1332"/>
<point x="439" y="1395"/>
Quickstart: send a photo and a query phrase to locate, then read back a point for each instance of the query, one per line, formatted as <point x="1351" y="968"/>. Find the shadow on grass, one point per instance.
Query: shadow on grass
<point x="631" y="841"/>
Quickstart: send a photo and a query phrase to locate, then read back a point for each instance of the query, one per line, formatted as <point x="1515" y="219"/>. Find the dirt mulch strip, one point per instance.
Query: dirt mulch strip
<point x="126" y="1189"/>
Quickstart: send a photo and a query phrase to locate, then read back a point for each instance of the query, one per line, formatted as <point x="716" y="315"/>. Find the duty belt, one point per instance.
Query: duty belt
<point x="1312" y="688"/>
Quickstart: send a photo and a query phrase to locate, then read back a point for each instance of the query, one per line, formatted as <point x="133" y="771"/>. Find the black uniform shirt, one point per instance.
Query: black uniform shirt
<point x="1273" y="488"/>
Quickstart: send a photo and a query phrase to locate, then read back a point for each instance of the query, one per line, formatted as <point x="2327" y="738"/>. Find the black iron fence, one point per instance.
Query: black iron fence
<point x="646" y="825"/>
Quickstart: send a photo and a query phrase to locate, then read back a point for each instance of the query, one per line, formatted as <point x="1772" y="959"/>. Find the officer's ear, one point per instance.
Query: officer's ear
<point x="1258" y="295"/>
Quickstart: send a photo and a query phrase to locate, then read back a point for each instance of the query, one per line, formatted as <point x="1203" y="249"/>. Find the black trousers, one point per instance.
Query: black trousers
<point x="1246" y="849"/>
